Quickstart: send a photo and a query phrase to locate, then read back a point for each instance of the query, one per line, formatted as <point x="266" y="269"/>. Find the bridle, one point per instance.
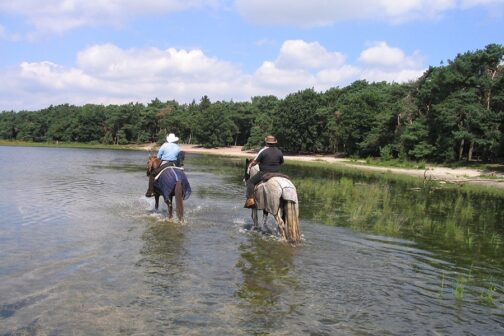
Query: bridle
<point x="152" y="164"/>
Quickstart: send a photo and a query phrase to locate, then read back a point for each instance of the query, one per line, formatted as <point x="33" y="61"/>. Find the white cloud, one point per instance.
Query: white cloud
<point x="298" y="53"/>
<point x="323" y="12"/>
<point x="380" y="62"/>
<point x="343" y="76"/>
<point x="112" y="62"/>
<point x="57" y="16"/>
<point x="472" y="3"/>
<point x="105" y="74"/>
<point x="380" y="54"/>
<point x="400" y="76"/>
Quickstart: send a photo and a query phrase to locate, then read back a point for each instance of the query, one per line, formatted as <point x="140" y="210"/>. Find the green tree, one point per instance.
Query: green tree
<point x="214" y="127"/>
<point x="296" y="122"/>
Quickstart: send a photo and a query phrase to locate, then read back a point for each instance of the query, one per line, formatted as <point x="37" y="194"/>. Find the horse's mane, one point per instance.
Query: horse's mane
<point x="153" y="163"/>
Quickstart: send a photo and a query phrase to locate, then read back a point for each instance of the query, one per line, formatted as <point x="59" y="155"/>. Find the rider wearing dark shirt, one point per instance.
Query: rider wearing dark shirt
<point x="269" y="159"/>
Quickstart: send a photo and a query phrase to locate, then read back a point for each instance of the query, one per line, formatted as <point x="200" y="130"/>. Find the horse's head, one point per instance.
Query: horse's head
<point x="152" y="163"/>
<point x="246" y="173"/>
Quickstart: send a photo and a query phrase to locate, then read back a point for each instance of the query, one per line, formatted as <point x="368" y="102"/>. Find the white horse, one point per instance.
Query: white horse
<point x="277" y="196"/>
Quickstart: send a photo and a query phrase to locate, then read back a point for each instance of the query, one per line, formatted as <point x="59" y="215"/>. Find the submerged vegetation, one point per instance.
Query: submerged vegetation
<point x="444" y="217"/>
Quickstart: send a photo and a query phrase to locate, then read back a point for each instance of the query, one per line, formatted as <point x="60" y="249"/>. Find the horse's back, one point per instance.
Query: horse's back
<point x="270" y="193"/>
<point x="167" y="180"/>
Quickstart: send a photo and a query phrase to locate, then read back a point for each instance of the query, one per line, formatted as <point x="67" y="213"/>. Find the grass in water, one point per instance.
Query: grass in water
<point x="458" y="291"/>
<point x="488" y="296"/>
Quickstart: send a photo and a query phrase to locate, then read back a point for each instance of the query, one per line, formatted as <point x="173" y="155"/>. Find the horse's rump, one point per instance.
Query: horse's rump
<point x="167" y="180"/>
<point x="269" y="194"/>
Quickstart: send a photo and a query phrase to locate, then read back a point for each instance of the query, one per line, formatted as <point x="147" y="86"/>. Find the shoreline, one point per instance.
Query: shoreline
<point x="459" y="176"/>
<point x="440" y="174"/>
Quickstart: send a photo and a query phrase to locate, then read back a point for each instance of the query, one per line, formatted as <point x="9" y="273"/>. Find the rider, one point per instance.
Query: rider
<point x="269" y="159"/>
<point x="169" y="154"/>
<point x="169" y="151"/>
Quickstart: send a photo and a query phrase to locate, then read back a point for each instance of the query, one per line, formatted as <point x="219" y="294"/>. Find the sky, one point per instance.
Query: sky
<point x="120" y="51"/>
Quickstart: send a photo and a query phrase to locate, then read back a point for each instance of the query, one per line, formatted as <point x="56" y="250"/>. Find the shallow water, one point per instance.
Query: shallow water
<point x="82" y="252"/>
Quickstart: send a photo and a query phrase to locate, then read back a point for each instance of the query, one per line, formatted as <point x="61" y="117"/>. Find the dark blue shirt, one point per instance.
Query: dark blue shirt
<point x="269" y="159"/>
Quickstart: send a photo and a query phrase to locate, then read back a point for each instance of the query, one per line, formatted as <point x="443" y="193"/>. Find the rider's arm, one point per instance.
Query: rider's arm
<point x="160" y="152"/>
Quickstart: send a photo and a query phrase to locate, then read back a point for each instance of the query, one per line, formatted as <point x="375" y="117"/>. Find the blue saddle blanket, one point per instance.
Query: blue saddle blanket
<point x="165" y="183"/>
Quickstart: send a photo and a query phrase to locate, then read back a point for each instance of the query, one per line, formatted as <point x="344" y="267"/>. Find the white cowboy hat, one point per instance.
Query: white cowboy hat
<point x="171" y="138"/>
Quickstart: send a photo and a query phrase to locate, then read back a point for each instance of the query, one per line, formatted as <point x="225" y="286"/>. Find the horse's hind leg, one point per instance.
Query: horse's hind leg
<point x="281" y="226"/>
<point x="169" y="204"/>
<point x="179" y="201"/>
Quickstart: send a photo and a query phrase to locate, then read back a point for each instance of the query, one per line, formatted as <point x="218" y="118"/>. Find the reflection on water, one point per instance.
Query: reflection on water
<point x="268" y="277"/>
<point x="82" y="252"/>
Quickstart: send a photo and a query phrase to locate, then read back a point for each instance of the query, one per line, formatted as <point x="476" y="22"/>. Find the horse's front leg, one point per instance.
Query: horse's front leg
<point x="169" y="204"/>
<point x="255" y="220"/>
<point x="265" y="219"/>
<point x="156" y="204"/>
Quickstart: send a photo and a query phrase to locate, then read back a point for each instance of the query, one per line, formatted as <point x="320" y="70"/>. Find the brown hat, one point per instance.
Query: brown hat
<point x="270" y="139"/>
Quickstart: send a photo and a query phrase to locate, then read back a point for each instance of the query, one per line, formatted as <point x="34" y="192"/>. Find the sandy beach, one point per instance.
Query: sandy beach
<point x="445" y="174"/>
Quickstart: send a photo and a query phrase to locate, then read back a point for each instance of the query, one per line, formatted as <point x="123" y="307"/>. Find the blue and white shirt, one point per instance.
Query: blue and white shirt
<point x="168" y="151"/>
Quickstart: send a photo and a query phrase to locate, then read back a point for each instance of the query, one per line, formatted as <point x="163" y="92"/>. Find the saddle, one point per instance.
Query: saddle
<point x="267" y="176"/>
<point x="162" y="167"/>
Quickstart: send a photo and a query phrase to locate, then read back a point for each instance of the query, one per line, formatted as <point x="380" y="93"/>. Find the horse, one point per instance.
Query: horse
<point x="169" y="181"/>
<point x="276" y="195"/>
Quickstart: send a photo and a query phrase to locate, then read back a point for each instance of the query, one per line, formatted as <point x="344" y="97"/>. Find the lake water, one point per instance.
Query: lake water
<point x="83" y="253"/>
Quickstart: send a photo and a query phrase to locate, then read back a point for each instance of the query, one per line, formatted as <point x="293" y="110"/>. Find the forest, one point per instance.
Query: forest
<point x="453" y="112"/>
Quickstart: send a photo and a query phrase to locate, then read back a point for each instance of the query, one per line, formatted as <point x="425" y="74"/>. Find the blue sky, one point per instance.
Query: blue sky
<point x="120" y="51"/>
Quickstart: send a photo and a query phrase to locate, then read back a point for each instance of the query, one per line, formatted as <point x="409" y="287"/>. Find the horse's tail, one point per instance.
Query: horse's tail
<point x="179" y="200"/>
<point x="292" y="222"/>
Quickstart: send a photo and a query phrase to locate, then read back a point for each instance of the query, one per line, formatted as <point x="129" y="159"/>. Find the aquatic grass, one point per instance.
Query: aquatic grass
<point x="469" y="239"/>
<point x="398" y="210"/>
<point x="326" y="169"/>
<point x="391" y="226"/>
<point x="442" y="286"/>
<point x="363" y="205"/>
<point x="488" y="295"/>
<point x="496" y="241"/>
<point x="454" y="233"/>
<point x="459" y="288"/>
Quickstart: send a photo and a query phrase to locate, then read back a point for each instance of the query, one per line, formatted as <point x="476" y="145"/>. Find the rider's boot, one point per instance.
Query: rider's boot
<point x="249" y="203"/>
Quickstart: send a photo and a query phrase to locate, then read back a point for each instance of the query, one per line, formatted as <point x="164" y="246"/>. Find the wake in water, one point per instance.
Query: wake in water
<point x="267" y="232"/>
<point x="148" y="211"/>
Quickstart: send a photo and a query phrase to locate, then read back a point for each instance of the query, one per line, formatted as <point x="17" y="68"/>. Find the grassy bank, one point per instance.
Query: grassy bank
<point x="388" y="176"/>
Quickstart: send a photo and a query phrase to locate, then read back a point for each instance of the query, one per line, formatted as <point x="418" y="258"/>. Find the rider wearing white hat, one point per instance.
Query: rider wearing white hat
<point x="169" y="150"/>
<point x="169" y="153"/>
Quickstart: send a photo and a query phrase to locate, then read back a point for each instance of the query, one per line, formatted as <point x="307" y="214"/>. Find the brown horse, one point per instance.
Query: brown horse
<point x="278" y="197"/>
<point x="179" y="188"/>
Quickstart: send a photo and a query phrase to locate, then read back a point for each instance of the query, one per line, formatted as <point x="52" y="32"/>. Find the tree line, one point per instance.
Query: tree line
<point x="454" y="111"/>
